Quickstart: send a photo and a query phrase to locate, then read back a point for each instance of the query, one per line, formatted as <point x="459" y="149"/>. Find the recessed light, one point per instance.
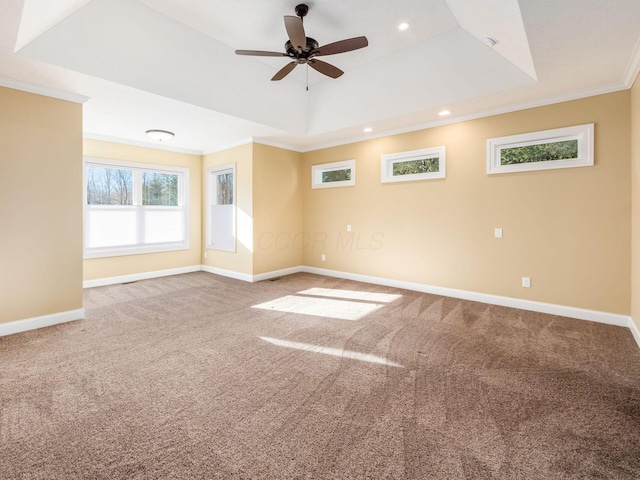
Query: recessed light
<point x="403" y="26"/>
<point x="444" y="113"/>
<point x="160" y="135"/>
<point x="368" y="130"/>
<point x="492" y="42"/>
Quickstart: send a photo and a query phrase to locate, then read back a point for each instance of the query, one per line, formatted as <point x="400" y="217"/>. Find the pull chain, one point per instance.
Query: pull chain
<point x="307" y="77"/>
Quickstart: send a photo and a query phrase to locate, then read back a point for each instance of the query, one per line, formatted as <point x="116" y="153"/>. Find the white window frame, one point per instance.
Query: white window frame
<point x="318" y="170"/>
<point x="582" y="133"/>
<point x="388" y="161"/>
<point x="211" y="188"/>
<point x="138" y="169"/>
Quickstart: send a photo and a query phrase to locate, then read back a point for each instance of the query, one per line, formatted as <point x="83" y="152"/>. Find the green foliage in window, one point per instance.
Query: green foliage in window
<point x="109" y="186"/>
<point x="543" y="152"/>
<point x="411" y="167"/>
<point x="336" y="175"/>
<point x="159" y="189"/>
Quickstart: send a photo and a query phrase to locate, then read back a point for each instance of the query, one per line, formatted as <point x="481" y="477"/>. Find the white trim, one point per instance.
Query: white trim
<point x="134" y="277"/>
<point x="553" y="309"/>
<point x="101" y="282"/>
<point x="318" y="170"/>
<point x="633" y="68"/>
<point x="277" y="273"/>
<point x="635" y="331"/>
<point x="387" y="161"/>
<point x="18" y="326"/>
<point x="228" y="146"/>
<point x="516" y="107"/>
<point x="45" y="91"/>
<point x="245" y="277"/>
<point x="138" y="143"/>
<point x="270" y="143"/>
<point x="582" y="134"/>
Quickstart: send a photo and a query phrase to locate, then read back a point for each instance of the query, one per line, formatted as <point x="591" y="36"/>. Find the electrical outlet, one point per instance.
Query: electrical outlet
<point x="323" y="257"/>
<point x="526" y="282"/>
<point x="205" y="254"/>
<point x="497" y="232"/>
<point x="348" y="228"/>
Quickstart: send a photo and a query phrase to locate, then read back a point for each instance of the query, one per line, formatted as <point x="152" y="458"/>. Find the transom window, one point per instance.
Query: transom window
<point x="425" y="164"/>
<point x="132" y="208"/>
<point x="335" y="174"/>
<point x="545" y="150"/>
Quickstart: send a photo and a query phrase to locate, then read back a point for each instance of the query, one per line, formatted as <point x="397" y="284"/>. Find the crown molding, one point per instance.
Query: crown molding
<point x="565" y="97"/>
<point x="269" y="143"/>
<point x="40" y="90"/>
<point x="228" y="146"/>
<point x="633" y="68"/>
<point x="135" y="143"/>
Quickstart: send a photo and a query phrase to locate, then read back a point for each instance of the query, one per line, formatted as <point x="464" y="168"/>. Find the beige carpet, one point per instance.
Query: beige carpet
<point x="198" y="376"/>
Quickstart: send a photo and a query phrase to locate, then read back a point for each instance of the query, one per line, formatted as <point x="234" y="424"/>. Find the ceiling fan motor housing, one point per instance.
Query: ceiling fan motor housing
<point x="312" y="44"/>
<point x="302" y="10"/>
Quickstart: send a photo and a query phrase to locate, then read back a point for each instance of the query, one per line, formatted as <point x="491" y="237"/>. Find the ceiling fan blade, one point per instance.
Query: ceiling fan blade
<point x="260" y="53"/>
<point x="284" y="71"/>
<point x="341" y="47"/>
<point x="325" y="68"/>
<point x="295" y="30"/>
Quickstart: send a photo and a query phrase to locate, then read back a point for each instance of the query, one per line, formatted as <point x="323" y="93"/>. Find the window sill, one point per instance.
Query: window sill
<point x="124" y="251"/>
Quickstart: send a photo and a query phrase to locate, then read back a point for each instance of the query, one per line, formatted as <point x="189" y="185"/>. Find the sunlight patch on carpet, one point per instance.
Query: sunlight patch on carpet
<point x="321" y="307"/>
<point x="335" y="352"/>
<point x="351" y="294"/>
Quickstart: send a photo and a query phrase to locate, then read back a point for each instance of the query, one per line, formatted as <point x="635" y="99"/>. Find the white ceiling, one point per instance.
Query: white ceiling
<point x="170" y="64"/>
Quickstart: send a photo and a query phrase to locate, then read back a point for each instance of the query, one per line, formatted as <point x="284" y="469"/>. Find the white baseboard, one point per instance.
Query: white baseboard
<point x="553" y="309"/>
<point x="635" y="331"/>
<point x="18" y="326"/>
<point x="100" y="282"/>
<point x="531" y="305"/>
<point x="227" y="273"/>
<point x="252" y="278"/>
<point x="277" y="273"/>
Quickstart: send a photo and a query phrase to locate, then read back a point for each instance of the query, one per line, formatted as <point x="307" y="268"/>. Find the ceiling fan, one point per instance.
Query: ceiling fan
<point x="302" y="49"/>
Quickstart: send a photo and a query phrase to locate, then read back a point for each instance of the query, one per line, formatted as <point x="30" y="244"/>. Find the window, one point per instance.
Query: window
<point x="221" y="208"/>
<point x="545" y="150"/>
<point x="423" y="164"/>
<point x="336" y="174"/>
<point x="133" y="208"/>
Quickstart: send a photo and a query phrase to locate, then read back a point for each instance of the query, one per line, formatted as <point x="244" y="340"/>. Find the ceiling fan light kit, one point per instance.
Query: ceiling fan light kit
<point x="303" y="50"/>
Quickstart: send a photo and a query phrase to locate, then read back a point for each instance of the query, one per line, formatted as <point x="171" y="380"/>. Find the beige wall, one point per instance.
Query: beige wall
<point x="115" y="266"/>
<point x="277" y="209"/>
<point x="569" y="229"/>
<point x="635" y="179"/>
<point x="40" y="205"/>
<point x="241" y="260"/>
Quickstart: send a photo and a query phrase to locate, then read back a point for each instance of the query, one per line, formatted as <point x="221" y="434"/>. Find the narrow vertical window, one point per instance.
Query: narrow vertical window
<point x="221" y="208"/>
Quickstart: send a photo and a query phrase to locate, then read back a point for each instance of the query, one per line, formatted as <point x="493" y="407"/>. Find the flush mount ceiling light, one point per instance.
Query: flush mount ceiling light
<point x="403" y="26"/>
<point x="368" y="130"/>
<point x="160" y="135"/>
<point x="444" y="113"/>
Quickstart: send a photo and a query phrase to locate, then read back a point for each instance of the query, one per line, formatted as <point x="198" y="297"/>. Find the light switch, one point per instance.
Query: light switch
<point x="497" y="233"/>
